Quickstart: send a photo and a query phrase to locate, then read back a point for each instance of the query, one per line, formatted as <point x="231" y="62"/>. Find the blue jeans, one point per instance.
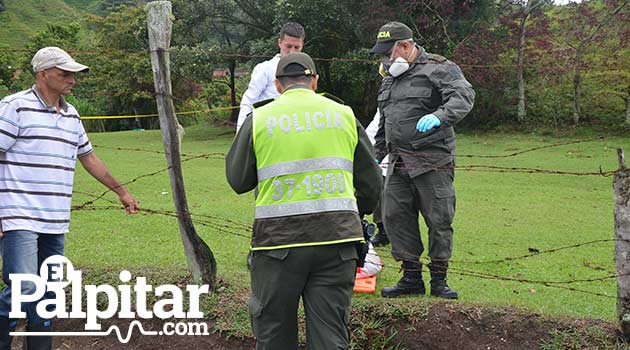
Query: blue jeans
<point x="24" y="252"/>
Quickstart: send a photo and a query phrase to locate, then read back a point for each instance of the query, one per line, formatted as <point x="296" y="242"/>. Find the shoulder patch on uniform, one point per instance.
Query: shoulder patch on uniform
<point x="455" y="71"/>
<point x="262" y="103"/>
<point x="435" y="57"/>
<point x="333" y="97"/>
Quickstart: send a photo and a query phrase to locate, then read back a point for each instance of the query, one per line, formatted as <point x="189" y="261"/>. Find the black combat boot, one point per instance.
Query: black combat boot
<point x="411" y="282"/>
<point x="439" y="288"/>
<point x="39" y="342"/>
<point x="6" y="326"/>
<point x="380" y="238"/>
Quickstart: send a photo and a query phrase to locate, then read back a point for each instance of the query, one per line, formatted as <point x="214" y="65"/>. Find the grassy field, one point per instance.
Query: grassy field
<point x="499" y="215"/>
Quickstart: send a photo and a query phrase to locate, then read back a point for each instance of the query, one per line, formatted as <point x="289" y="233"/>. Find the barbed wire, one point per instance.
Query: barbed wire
<point x="560" y="284"/>
<point x="205" y="221"/>
<point x="548" y="283"/>
<point x="244" y="230"/>
<point x="525" y="280"/>
<point x="498" y="169"/>
<point x="199" y="111"/>
<point x="538" y="253"/>
<point x="206" y="156"/>
<point x="246" y="57"/>
<point x="234" y="228"/>
<point x="518" y="153"/>
<point x="509" y="155"/>
<point x="186" y="155"/>
<point x="488" y="168"/>
<point x="409" y="166"/>
<point x="248" y="228"/>
<point x="410" y="257"/>
<point x="429" y="166"/>
<point x="573" y="289"/>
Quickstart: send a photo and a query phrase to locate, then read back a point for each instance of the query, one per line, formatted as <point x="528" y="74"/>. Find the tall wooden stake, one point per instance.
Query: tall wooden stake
<point x="621" y="186"/>
<point x="200" y="258"/>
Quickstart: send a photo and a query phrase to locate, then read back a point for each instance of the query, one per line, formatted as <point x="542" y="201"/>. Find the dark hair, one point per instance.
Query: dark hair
<point x="292" y="29"/>
<point x="298" y="79"/>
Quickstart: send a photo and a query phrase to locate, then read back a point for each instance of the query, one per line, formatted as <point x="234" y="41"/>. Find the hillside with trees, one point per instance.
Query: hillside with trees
<point x="23" y="18"/>
<point x="532" y="63"/>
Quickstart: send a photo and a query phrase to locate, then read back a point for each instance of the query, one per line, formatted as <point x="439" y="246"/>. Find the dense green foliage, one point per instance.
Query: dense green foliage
<point x="578" y="52"/>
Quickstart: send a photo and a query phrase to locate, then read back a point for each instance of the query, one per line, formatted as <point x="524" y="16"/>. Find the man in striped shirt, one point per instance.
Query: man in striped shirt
<point x="41" y="137"/>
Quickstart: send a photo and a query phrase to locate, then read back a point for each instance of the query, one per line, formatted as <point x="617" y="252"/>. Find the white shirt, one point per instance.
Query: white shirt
<point x="261" y="87"/>
<point x="371" y="130"/>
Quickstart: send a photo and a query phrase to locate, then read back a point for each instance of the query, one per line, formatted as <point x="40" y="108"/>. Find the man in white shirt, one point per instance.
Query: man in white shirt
<point x="261" y="85"/>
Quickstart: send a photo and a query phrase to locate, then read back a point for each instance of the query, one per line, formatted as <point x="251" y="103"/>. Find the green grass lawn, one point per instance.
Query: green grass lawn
<point x="498" y="215"/>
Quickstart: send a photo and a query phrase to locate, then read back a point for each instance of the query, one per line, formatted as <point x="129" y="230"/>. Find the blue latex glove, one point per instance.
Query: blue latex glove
<point x="428" y="122"/>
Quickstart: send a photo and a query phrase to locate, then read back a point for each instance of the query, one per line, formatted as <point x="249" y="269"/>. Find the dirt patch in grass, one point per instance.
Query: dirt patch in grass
<point x="453" y="326"/>
<point x="137" y="341"/>
<point x="400" y="324"/>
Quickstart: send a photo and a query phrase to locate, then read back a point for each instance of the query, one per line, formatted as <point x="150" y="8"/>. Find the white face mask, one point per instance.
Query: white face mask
<point x="399" y="65"/>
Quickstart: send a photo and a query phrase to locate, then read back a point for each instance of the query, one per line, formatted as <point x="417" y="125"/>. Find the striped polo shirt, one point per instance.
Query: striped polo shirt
<point x="38" y="151"/>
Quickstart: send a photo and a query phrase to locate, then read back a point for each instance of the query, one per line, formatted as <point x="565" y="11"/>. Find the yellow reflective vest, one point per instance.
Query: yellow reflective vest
<point x="304" y="145"/>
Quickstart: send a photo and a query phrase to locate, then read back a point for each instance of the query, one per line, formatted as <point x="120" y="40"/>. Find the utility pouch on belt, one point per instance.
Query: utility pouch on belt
<point x="363" y="247"/>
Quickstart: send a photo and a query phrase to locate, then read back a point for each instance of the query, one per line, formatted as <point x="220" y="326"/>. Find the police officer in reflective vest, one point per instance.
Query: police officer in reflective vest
<point x="421" y="97"/>
<point x="314" y="168"/>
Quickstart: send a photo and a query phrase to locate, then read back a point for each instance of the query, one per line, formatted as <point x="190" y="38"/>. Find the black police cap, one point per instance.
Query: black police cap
<point x="389" y="34"/>
<point x="299" y="58"/>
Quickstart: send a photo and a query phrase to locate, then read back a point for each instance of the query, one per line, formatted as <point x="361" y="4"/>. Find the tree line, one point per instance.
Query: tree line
<point x="532" y="63"/>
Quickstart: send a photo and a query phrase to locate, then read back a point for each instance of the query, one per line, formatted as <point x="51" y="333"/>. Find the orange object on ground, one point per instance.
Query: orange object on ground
<point x="365" y="285"/>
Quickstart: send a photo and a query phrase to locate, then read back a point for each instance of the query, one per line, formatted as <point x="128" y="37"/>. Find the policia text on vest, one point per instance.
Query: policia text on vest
<point x="310" y="121"/>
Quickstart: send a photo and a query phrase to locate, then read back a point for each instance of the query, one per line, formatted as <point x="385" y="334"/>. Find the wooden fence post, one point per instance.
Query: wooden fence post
<point x="621" y="186"/>
<point x="200" y="258"/>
